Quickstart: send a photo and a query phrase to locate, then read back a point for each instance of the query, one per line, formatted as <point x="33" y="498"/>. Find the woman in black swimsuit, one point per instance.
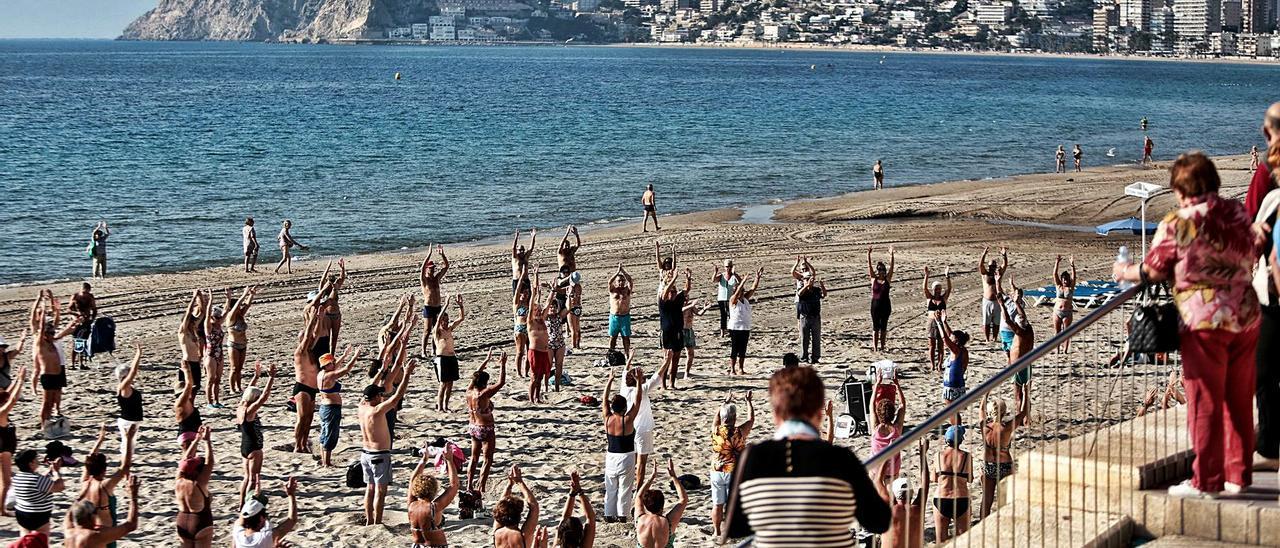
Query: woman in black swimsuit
<point x="9" y="437"/>
<point x="426" y="509"/>
<point x="953" y="473"/>
<point x="936" y="310"/>
<point x="185" y="411"/>
<point x="250" y="427"/>
<point x="195" y="526"/>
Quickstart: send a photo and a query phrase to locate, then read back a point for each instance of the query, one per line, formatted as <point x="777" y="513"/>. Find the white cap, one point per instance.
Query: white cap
<point x="251" y="508"/>
<point x="899" y="488"/>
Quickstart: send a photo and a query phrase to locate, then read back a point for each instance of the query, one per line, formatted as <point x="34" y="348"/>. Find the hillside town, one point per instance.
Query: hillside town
<point x="1182" y="28"/>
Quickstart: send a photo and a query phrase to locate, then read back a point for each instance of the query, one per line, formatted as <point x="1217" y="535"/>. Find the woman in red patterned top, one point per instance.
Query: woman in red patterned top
<point x="1207" y="249"/>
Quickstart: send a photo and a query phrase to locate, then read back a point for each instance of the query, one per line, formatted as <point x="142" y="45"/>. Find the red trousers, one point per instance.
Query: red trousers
<point x="1219" y="370"/>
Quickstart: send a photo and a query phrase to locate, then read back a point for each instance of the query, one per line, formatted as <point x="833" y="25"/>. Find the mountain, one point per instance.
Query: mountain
<point x="262" y="20"/>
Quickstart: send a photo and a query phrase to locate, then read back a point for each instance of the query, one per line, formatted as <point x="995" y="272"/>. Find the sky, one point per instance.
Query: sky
<point x="69" y="18"/>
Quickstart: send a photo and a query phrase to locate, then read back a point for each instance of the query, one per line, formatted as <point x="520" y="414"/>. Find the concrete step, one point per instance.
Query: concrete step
<point x="1178" y="541"/>
<point x="1137" y="454"/>
<point x="1020" y="525"/>
<point x="1251" y="519"/>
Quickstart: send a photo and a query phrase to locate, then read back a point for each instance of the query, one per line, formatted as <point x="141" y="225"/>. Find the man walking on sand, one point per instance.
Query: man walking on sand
<point x="650" y="209"/>
<point x="1147" y="145"/>
<point x="877" y="173"/>
<point x="375" y="452"/>
<point x="1061" y="157"/>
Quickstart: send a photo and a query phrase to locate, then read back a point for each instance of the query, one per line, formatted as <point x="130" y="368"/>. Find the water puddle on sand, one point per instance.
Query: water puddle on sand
<point x="759" y="214"/>
<point x="1049" y="226"/>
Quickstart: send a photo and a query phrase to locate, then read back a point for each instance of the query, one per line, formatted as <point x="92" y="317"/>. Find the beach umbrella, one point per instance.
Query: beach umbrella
<point x="1129" y="226"/>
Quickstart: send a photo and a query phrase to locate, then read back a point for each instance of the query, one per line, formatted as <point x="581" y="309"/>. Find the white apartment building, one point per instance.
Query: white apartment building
<point x="421" y="31"/>
<point x="1135" y="14"/>
<point x="1195" y="20"/>
<point x="992" y="15"/>
<point x="1040" y="8"/>
<point x="443" y="28"/>
<point x="904" y="18"/>
<point x="774" y="33"/>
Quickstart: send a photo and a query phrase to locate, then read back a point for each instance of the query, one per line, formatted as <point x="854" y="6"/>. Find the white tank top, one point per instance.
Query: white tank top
<point x="740" y="315"/>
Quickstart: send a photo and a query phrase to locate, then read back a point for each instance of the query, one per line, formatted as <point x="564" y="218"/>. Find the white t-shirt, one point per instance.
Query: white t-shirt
<point x="740" y="315"/>
<point x="248" y="234"/>
<point x="260" y="539"/>
<point x="644" y="417"/>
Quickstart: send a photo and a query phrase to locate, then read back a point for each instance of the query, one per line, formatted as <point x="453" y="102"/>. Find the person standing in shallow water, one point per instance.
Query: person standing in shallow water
<point x="1077" y="154"/>
<point x="877" y="172"/>
<point x="650" y="203"/>
<point x="1060" y="157"/>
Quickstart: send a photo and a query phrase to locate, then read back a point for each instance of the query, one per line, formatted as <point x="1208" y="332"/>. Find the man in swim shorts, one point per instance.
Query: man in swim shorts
<point x="620" y="288"/>
<point x="989" y="271"/>
<point x="650" y="203"/>
<point x="430" y="281"/>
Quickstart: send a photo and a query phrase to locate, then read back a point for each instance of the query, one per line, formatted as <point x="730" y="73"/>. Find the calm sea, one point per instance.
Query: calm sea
<point x="175" y="143"/>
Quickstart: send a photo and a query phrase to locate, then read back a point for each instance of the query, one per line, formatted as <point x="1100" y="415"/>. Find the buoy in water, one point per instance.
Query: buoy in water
<point x="397" y="76"/>
<point x="813" y="67"/>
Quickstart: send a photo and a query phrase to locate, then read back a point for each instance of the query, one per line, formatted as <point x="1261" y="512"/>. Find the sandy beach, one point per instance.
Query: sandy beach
<point x="940" y="225"/>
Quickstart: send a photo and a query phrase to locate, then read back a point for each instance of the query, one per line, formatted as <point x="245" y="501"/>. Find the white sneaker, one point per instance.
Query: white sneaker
<point x="1233" y="488"/>
<point x="1186" y="490"/>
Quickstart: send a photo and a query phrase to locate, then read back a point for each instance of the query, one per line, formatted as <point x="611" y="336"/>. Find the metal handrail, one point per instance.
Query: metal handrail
<point x="909" y="438"/>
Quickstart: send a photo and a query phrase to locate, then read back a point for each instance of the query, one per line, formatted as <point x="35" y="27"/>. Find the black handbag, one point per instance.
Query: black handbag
<point x="355" y="475"/>
<point x="1154" y="326"/>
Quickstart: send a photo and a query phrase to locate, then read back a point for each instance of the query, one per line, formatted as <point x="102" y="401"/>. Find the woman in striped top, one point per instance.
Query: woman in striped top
<point x="34" y="492"/>
<point x="797" y="490"/>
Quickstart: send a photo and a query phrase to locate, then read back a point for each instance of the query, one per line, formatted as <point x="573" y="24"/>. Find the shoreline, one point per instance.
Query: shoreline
<point x="741" y="213"/>
<point x="866" y="48"/>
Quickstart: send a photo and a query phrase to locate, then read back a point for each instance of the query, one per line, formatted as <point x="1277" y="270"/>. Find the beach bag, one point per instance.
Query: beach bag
<point x="56" y="428"/>
<point x="355" y="475"/>
<point x="1154" y="326"/>
<point x="615" y="358"/>
<point x="468" y="503"/>
<point x="102" y="338"/>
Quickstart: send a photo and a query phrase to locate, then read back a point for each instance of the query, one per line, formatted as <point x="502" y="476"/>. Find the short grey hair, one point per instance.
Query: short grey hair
<point x="728" y="413"/>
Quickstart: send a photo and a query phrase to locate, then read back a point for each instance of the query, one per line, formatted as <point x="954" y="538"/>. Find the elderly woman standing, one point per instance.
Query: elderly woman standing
<point x="881" y="306"/>
<point x="796" y="489"/>
<point x="1206" y="248"/>
<point x="286" y="242"/>
<point x="728" y="439"/>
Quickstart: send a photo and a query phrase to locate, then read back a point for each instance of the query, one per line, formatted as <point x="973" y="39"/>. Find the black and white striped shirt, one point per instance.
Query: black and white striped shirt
<point x="812" y="502"/>
<point x="33" y="492"/>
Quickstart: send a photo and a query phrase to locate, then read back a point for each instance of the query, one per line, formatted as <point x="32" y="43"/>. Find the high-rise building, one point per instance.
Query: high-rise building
<point x="1106" y="18"/>
<point x="1231" y="15"/>
<point x="709" y="6"/>
<point x="1135" y="14"/>
<point x="1254" y="15"/>
<point x="1195" y="20"/>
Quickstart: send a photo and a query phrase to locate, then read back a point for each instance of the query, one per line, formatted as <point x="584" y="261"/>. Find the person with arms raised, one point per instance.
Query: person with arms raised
<point x="191" y="489"/>
<point x="82" y="530"/>
<point x="482" y="427"/>
<point x="655" y="529"/>
<point x="432" y="296"/>
<point x="427" y="502"/>
<point x="375" y="455"/>
<point x="508" y="532"/>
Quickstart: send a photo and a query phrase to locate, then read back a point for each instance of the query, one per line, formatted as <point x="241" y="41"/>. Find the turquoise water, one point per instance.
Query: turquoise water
<point x="175" y="143"/>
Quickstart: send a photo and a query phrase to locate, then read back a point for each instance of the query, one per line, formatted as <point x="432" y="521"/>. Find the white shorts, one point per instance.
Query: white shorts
<point x="720" y="487"/>
<point x="990" y="314"/>
<point x="644" y="442"/>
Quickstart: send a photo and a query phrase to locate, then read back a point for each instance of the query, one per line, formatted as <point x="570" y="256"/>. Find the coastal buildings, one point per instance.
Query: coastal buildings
<point x="1243" y="28"/>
